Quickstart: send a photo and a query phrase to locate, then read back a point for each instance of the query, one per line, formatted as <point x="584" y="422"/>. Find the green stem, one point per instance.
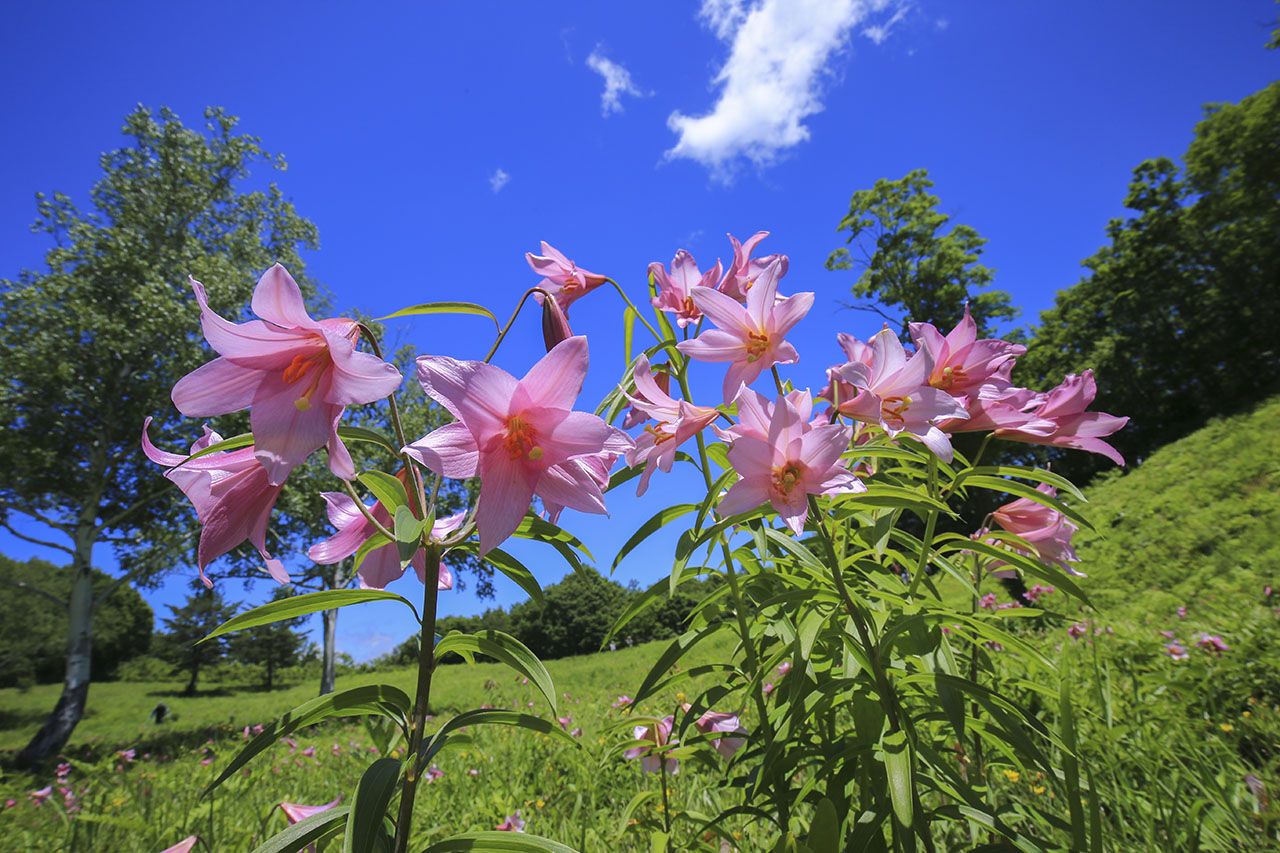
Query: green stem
<point x="666" y="804"/>
<point x="418" y="718"/>
<point x="516" y="313"/>
<point x="926" y="544"/>
<point x="639" y="316"/>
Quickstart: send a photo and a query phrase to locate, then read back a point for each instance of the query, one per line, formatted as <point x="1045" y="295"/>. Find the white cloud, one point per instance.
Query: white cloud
<point x="498" y="180"/>
<point x="881" y="31"/>
<point x="617" y="82"/>
<point x="772" y="80"/>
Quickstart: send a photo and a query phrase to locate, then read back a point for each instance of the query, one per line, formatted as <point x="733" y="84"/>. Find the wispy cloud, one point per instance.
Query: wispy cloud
<point x="367" y="645"/>
<point x="779" y="51"/>
<point x="878" y="32"/>
<point x="617" y="82"/>
<point x="498" y="180"/>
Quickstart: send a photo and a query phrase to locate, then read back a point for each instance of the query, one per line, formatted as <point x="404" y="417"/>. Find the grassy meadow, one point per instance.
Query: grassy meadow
<point x="1178" y="736"/>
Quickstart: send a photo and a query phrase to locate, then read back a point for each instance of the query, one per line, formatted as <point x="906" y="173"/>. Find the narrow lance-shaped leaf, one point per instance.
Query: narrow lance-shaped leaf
<point x="301" y="605"/>
<point x="505" y="648"/>
<point x="659" y="520"/>
<point x="497" y="842"/>
<point x="446" y="308"/>
<point x="369" y="807"/>
<point x="493" y="716"/>
<point x="306" y="831"/>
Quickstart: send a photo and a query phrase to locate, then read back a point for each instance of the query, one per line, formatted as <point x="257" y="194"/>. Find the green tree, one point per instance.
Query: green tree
<point x="272" y="646"/>
<point x="910" y="266"/>
<point x="1178" y="314"/>
<point x="574" y="618"/>
<point x="33" y="627"/>
<point x="108" y="325"/>
<point x="180" y="645"/>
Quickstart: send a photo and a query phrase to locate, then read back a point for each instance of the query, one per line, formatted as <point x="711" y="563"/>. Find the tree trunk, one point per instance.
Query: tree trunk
<point x="327" y="674"/>
<point x="271" y="665"/>
<point x="57" y="729"/>
<point x="195" y="674"/>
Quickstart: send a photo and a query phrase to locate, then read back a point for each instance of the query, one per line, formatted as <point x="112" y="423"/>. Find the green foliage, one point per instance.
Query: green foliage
<point x="183" y="644"/>
<point x="575" y="618"/>
<point x="272" y="646"/>
<point x="33" y="629"/>
<point x="1178" y="312"/>
<point x="909" y="265"/>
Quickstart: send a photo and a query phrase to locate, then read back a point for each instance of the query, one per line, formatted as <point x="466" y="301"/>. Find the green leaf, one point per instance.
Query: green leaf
<point x="380" y="699"/>
<point x="373" y="543"/>
<point x="824" y="831"/>
<point x="1070" y="763"/>
<point x="446" y="308"/>
<point x="897" y="763"/>
<point x="301" y="605"/>
<point x="1023" y="490"/>
<point x="234" y="443"/>
<point x="628" y="332"/>
<point x="533" y="527"/>
<point x="635" y="607"/>
<point x="638" y="800"/>
<point x="498" y="842"/>
<point x="306" y="831"/>
<point x="369" y="806"/>
<point x="660" y="519"/>
<point x="514" y="569"/>
<point x="355" y="433"/>
<point x="492" y="716"/>
<point x="719" y="454"/>
<point x="505" y="648"/>
<point x="713" y="496"/>
<point x="623" y="475"/>
<point x="1026" y="472"/>
<point x="408" y="532"/>
<point x="387" y="489"/>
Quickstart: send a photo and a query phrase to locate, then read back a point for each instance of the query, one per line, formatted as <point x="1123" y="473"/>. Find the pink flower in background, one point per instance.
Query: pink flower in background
<point x="745" y="270"/>
<point x="577" y="732"/>
<point x="674" y="291"/>
<point x="750" y="337"/>
<point x="795" y="461"/>
<point x="677" y="422"/>
<point x="186" y="845"/>
<point x="433" y="773"/>
<point x="41" y="796"/>
<point x="246" y="733"/>
<point x="381" y="566"/>
<point x="563" y="279"/>
<point x="1065" y="407"/>
<point x="988" y="602"/>
<point x="712" y="722"/>
<point x="961" y="362"/>
<point x="1176" y="652"/>
<point x="64" y="770"/>
<point x="1077" y="630"/>
<point x="1037" y="592"/>
<point x="622" y="702"/>
<point x="652" y="757"/>
<point x="513" y="823"/>
<point x="564" y="722"/>
<point x="232" y="496"/>
<point x="126" y="755"/>
<point x="1168" y="635"/>
<point x="1212" y="643"/>
<point x="511" y="432"/>
<point x="295" y="812"/>
<point x="257" y="729"/>
<point x="784" y="668"/>
<point x="295" y="374"/>
<point x="309" y="752"/>
<point x="1045" y="529"/>
<point x="1182" y="612"/>
<point x="896" y="394"/>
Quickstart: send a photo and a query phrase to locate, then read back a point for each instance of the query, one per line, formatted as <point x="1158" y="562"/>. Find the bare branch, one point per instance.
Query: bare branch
<point x="869" y="307"/>
<point x="34" y="541"/>
<point x="122" y="515"/>
<point x="37" y="590"/>
<point x="40" y="517"/>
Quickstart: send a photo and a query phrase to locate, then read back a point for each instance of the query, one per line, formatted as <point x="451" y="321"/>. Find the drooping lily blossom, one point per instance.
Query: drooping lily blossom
<point x="563" y="279"/>
<point x="674" y="289"/>
<point x="795" y="460"/>
<point x="714" y="721"/>
<point x="653" y="757"/>
<point x="380" y="566"/>
<point x="743" y="272"/>
<point x="1213" y="643"/>
<point x="961" y="362"/>
<point x="1065" y="406"/>
<point x="750" y="337"/>
<point x="1045" y="529"/>
<point x="186" y="845"/>
<point x="636" y="415"/>
<point x="513" y="823"/>
<point x="677" y="422"/>
<point x="295" y="374"/>
<point x="232" y="495"/>
<point x="296" y="813"/>
<point x="511" y="432"/>
<point x="897" y="395"/>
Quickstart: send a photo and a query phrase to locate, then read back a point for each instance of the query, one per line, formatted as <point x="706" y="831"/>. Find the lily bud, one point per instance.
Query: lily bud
<point x="555" y="324"/>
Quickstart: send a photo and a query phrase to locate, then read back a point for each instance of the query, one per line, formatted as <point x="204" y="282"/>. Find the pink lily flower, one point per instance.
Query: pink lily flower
<point x="513" y="823"/>
<point x="1176" y="652"/>
<point x="41" y="796"/>
<point x="232" y="495"/>
<point x="1065" y="406"/>
<point x="564" y="280"/>
<point x="743" y="272"/>
<point x="1212" y="643"/>
<point x="677" y="422"/>
<point x="674" y="291"/>
<point x="637" y="415"/>
<point x="380" y="566"/>
<point x="652" y="758"/>
<point x="714" y="721"/>
<point x="749" y="337"/>
<point x="1046" y="530"/>
<point x="433" y="773"/>
<point x="897" y="395"/>
<point x="586" y="472"/>
<point x="998" y="405"/>
<point x="186" y="845"/>
<point x="961" y="362"/>
<point x="296" y="374"/>
<point x="296" y="813"/>
<point x="756" y="412"/>
<point x="511" y="433"/>
<point x="797" y="459"/>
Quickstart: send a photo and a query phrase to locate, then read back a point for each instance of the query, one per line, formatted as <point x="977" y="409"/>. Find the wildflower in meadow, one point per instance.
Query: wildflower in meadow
<point x="677" y="422"/>
<point x="295" y="374"/>
<point x="511" y="432"/>
<point x="41" y="796"/>
<point x="564" y="722"/>
<point x="623" y="701"/>
<point x="231" y="494"/>
<point x="577" y="732"/>
<point x="513" y="823"/>
<point x="1182" y="612"/>
<point x="653" y="757"/>
<point x="295" y="812"/>
<point x="186" y="845"/>
<point x="562" y="278"/>
<point x="433" y="773"/>
<point x="1168" y="635"/>
<point x="1176" y="651"/>
<point x="713" y="722"/>
<point x="988" y="602"/>
<point x="750" y="337"/>
<point x="1036" y="592"/>
<point x="674" y="290"/>
<point x="1077" y="630"/>
<point x="1212" y="643"/>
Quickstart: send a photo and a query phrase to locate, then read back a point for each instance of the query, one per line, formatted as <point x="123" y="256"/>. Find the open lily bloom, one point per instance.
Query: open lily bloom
<point x="961" y="362"/>
<point x="750" y="337"/>
<point x="674" y="290"/>
<point x="295" y="813"/>
<point x="295" y="374"/>
<point x="563" y="279"/>
<point x="512" y="433"/>
<point x="653" y="757"/>
<point x="380" y="566"/>
<point x="794" y="461"/>
<point x="584" y="472"/>
<point x="232" y="495"/>
<point x="677" y="422"/>
<point x="1064" y="407"/>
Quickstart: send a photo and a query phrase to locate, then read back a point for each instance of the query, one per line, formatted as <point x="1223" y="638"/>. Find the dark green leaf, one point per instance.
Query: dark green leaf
<point x="369" y="806"/>
<point x="306" y="831"/>
<point x="497" y="842"/>
<point x="505" y="648"/>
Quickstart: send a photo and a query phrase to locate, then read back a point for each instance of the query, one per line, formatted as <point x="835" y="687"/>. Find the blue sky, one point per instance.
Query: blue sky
<point x="435" y="144"/>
